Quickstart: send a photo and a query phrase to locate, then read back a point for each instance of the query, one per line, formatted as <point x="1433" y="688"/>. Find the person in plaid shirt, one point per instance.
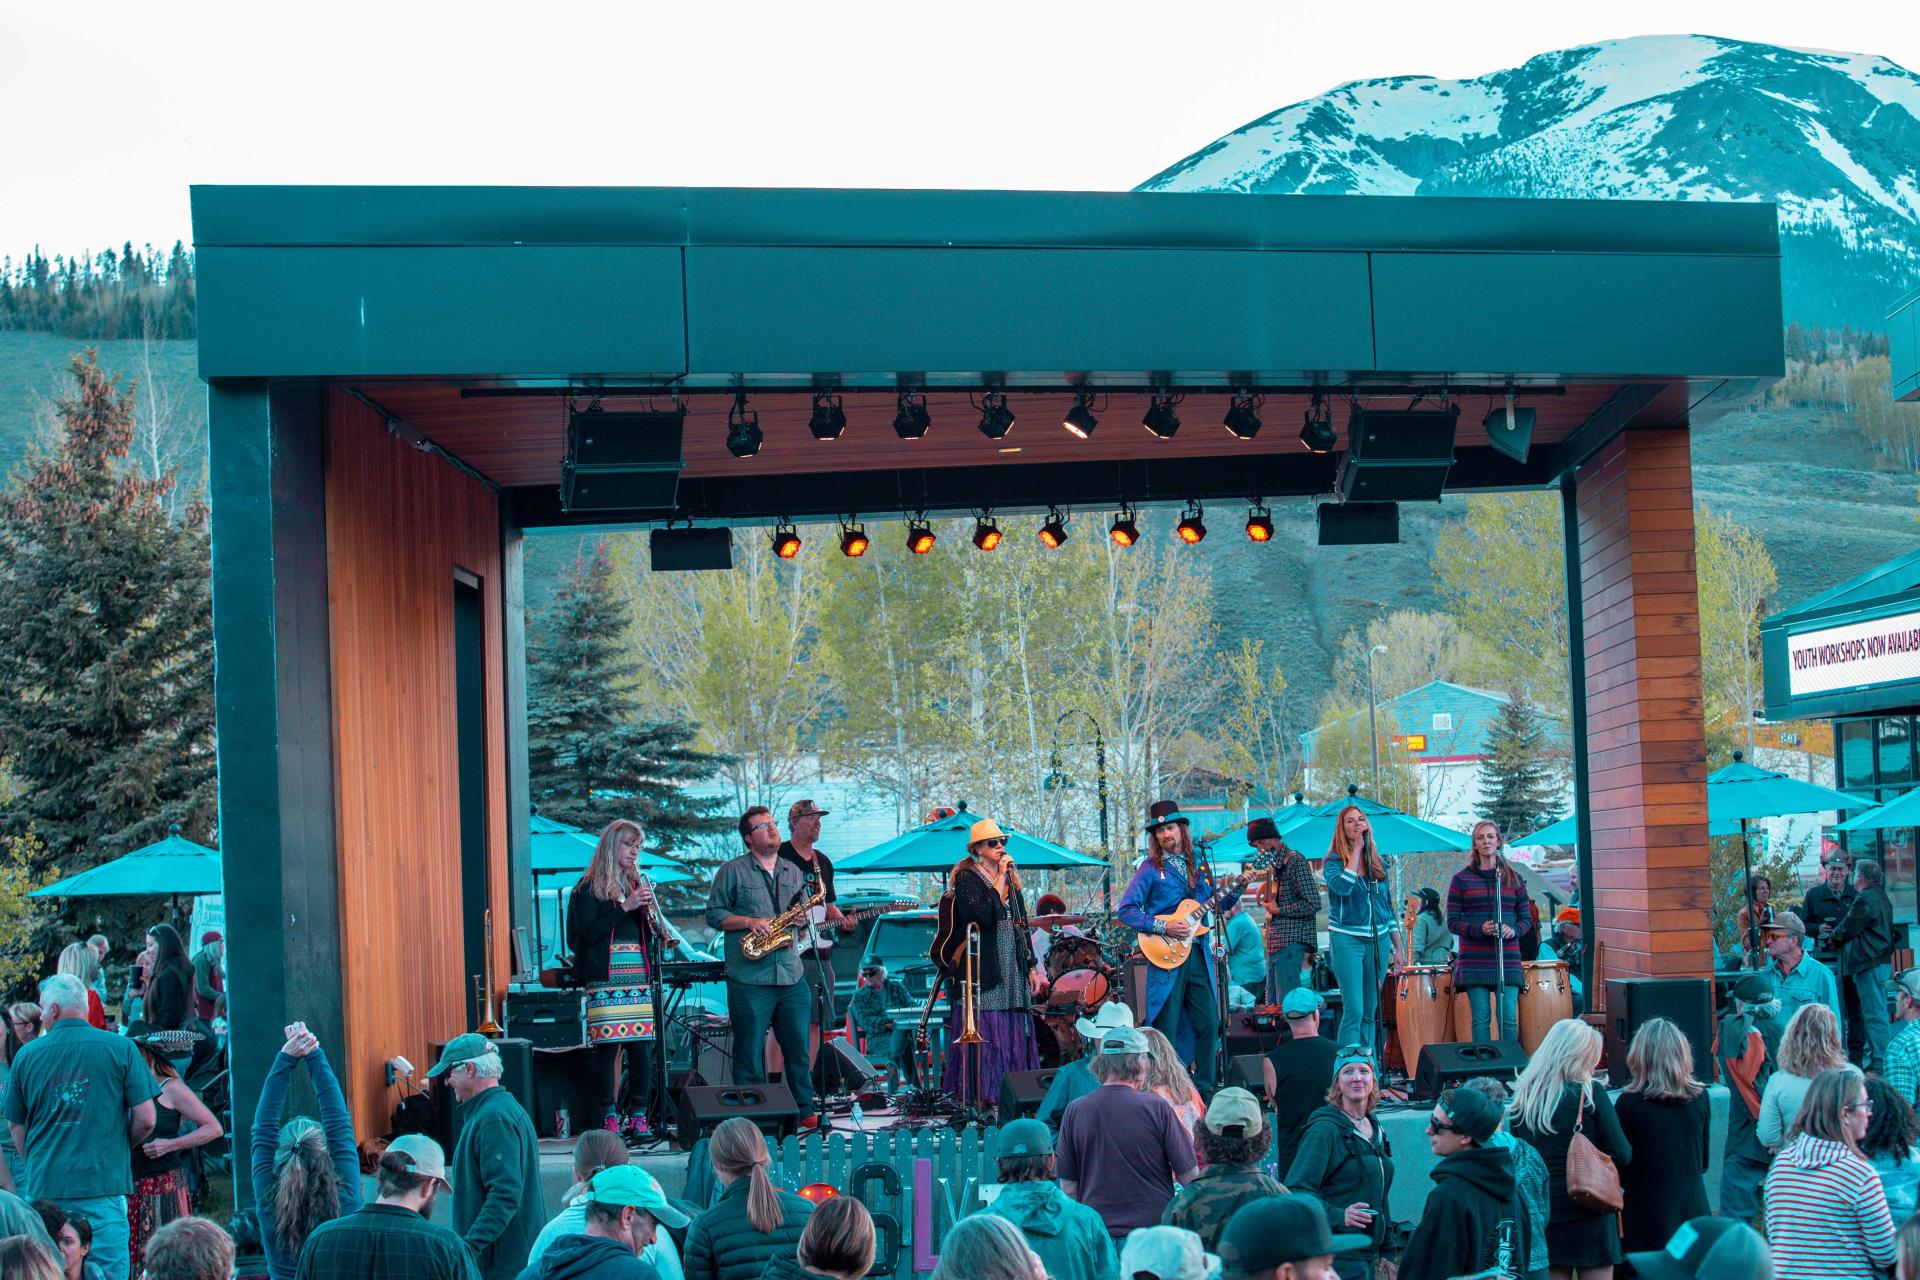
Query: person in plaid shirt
<point x="1903" y="1051"/>
<point x="391" y="1239"/>
<point x="1292" y="901"/>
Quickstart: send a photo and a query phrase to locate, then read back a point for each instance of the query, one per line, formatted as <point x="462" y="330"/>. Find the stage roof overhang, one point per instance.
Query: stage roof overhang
<point x="1903" y="346"/>
<point x="474" y="316"/>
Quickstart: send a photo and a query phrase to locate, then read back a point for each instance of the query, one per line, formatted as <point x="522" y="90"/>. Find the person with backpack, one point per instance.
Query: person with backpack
<point x="1474" y="1219"/>
<point x="1746" y="1044"/>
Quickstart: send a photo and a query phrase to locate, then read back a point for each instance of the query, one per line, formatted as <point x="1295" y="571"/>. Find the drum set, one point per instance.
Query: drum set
<point x="1079" y="981"/>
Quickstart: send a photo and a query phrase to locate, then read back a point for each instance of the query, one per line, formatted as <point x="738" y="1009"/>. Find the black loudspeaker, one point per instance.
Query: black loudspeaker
<point x="1135" y="996"/>
<point x="679" y="550"/>
<point x="1248" y="1070"/>
<point x="566" y="1079"/>
<point x="1254" y="1031"/>
<point x="516" y="1077"/>
<point x="1631" y="1002"/>
<point x="547" y="1019"/>
<point x="841" y="1068"/>
<point x="1396" y="455"/>
<point x="1511" y="433"/>
<point x="1354" y="524"/>
<point x="704" y="1106"/>
<point x="1446" y="1064"/>
<point x="1021" y="1092"/>
<point x="622" y="461"/>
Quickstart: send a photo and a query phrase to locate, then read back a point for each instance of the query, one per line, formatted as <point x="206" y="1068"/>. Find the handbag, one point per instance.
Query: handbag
<point x="1593" y="1182"/>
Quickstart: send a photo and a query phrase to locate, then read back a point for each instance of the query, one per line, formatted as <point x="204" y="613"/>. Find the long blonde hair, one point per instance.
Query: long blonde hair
<point x="1823" y="1112"/>
<point x="603" y="876"/>
<point x="24" y="1258"/>
<point x="1508" y="876"/>
<point x="1165" y="1074"/>
<point x="1568" y="1055"/>
<point x="1375" y="869"/>
<point x="1661" y="1062"/>
<point x="1811" y="1043"/>
<point x="738" y="1149"/>
<point x="77" y="958"/>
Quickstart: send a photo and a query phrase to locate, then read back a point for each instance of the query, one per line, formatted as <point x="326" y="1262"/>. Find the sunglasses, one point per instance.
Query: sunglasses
<point x="1439" y="1126"/>
<point x="997" y="842"/>
<point x="763" y="826"/>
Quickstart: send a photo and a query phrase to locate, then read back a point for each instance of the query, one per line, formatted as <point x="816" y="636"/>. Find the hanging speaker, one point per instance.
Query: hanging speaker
<point x="622" y="461"/>
<point x="1356" y="524"/>
<point x="1398" y="455"/>
<point x="1510" y="431"/>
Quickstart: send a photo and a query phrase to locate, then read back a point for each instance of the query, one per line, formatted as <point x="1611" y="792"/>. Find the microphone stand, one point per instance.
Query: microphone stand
<point x="1500" y="945"/>
<point x="822" y="996"/>
<point x="1217" y="953"/>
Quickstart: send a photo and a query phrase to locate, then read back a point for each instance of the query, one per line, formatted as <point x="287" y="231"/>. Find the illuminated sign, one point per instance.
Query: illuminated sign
<point x="1855" y="656"/>
<point x="1416" y="742"/>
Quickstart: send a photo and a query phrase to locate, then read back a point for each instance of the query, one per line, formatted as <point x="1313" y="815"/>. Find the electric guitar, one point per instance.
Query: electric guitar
<point x="1164" y="951"/>
<point x="826" y="935"/>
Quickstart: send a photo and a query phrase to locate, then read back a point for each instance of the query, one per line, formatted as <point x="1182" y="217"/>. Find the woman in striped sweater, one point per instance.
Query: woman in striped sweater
<point x="1826" y="1215"/>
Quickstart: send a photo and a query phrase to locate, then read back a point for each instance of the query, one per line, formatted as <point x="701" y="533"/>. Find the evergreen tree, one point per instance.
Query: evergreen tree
<point x="592" y="753"/>
<point x="1517" y="783"/>
<point x="106" y="647"/>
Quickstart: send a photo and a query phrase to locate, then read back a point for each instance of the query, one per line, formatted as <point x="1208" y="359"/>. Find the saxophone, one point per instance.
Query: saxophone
<point x="780" y="929"/>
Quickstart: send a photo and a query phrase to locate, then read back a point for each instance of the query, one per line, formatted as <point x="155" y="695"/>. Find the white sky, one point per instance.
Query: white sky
<point x="112" y="109"/>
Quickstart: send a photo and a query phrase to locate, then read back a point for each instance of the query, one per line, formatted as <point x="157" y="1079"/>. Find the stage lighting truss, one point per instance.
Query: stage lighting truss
<point x="1079" y="419"/>
<point x="853" y="539"/>
<point x="1259" y="523"/>
<point x="786" y="542"/>
<point x="1317" y="433"/>
<point x="1054" y="531"/>
<point x="986" y="531"/>
<point x="1191" y="528"/>
<point x="743" y="429"/>
<point x="1160" y="418"/>
<point x="910" y="418"/>
<point x="995" y="418"/>
<point x="829" y="418"/>
<point x="1243" y="415"/>
<point x="1124" y="530"/>
<point x="920" y="537"/>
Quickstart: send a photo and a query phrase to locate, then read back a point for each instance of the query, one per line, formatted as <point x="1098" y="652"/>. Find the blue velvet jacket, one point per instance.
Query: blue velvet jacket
<point x="1155" y="891"/>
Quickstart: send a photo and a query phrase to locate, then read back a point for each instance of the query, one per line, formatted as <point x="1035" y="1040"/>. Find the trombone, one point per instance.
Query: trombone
<point x="970" y="1038"/>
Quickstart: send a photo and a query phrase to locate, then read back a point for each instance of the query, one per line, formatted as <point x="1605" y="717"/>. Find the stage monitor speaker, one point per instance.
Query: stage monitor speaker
<point x="1021" y="1092"/>
<point x="1511" y="431"/>
<point x="1248" y="1070"/>
<point x="1632" y="1002"/>
<point x="566" y="1079"/>
<point x="1358" y="524"/>
<point x="1398" y="455"/>
<point x="841" y="1068"/>
<point x="1135" y="997"/>
<point x="1450" y="1063"/>
<point x="704" y="1106"/>
<point x="516" y="1077"/>
<point x="622" y="461"/>
<point x="678" y="550"/>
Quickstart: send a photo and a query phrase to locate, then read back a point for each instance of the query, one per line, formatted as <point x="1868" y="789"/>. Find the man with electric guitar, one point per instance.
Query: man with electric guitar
<point x="1170" y="902"/>
<point x="816" y="934"/>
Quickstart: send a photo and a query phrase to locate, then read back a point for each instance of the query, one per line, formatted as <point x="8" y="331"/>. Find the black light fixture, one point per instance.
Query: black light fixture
<point x="1259" y="523"/>
<point x="995" y="418"/>
<point x="786" y="542"/>
<point x="1243" y="415"/>
<point x="829" y="417"/>
<point x="986" y="531"/>
<point x="853" y="539"/>
<point x="1191" y="528"/>
<point x="920" y="537"/>
<point x="1054" y="531"/>
<point x="1124" y="531"/>
<point x="911" y="419"/>
<point x="1317" y="433"/>
<point x="743" y="428"/>
<point x="1080" y="420"/>
<point x="1160" y="418"/>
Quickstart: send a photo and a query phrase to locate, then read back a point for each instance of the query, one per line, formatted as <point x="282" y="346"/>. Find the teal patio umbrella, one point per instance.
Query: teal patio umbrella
<point x="1740" y="792"/>
<point x="559" y="847"/>
<point x="1561" y="832"/>
<point x="1229" y="846"/>
<point x="941" y="843"/>
<point x="1902" y="811"/>
<point x="173" y="867"/>
<point x="1394" y="832"/>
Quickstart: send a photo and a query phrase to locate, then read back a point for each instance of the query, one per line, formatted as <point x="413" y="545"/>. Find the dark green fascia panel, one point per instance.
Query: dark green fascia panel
<point x="1025" y="311"/>
<point x="1594" y="315"/>
<point x="1903" y="346"/>
<point x="357" y="311"/>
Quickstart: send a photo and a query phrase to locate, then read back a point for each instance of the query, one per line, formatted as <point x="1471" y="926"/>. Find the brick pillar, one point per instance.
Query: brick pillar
<point x="1646" y="738"/>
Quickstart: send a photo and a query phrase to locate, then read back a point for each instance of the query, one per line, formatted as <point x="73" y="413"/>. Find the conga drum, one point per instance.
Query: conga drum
<point x="1546" y="997"/>
<point x="1422" y="1008"/>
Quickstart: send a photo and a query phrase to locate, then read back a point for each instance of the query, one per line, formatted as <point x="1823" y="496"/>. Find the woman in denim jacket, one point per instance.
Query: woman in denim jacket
<point x="1362" y="932"/>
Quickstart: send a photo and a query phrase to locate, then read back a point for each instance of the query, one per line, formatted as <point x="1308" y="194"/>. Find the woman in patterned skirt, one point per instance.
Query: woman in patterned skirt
<point x="986" y="892"/>
<point x="159" y="1173"/>
<point x="610" y="928"/>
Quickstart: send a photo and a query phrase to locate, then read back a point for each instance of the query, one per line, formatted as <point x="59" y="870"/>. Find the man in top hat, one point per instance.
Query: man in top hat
<point x="1292" y="899"/>
<point x="1075" y="1079"/>
<point x="1474" y="1219"/>
<point x="1283" y="1238"/>
<point x="1798" y="979"/>
<point x="1747" y="1040"/>
<point x="1182" y="1003"/>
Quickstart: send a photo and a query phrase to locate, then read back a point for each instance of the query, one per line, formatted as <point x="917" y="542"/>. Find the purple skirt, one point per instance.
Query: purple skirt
<point x="1008" y="1047"/>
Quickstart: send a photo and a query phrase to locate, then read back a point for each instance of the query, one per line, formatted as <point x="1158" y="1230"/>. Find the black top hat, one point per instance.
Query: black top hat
<point x="1164" y="813"/>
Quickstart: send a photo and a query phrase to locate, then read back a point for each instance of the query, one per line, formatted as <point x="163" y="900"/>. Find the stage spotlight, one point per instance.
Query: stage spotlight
<point x="920" y="537"/>
<point x="1123" y="530"/>
<point x="1243" y="416"/>
<point x="743" y="429"/>
<point x="911" y="419"/>
<point x="786" y="543"/>
<point x="995" y="418"/>
<point x="986" y="532"/>
<point x="853" y="540"/>
<point x="829" y="418"/>
<point x="1191" y="528"/>
<point x="1080" y="419"/>
<point x="1161" y="419"/>
<point x="1054" y="531"/>
<point x="1259" y="523"/>
<point x="1317" y="434"/>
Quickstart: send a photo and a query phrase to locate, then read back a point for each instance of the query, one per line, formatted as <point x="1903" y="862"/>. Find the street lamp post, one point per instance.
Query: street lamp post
<point x="1100" y="772"/>
<point x="1373" y="733"/>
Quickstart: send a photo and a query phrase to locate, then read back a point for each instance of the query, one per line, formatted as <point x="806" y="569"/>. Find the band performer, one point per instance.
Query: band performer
<point x="816" y="962"/>
<point x="748" y="891"/>
<point x="1292" y="901"/>
<point x="1183" y="1004"/>
<point x="986" y="892"/>
<point x="610" y="930"/>
<point x="1488" y="910"/>
<point x="1363" y="933"/>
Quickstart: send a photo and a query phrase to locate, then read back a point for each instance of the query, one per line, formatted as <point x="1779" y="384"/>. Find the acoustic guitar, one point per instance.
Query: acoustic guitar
<point x="1163" y="951"/>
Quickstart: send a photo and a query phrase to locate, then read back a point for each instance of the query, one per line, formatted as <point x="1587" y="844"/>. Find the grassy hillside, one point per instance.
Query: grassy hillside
<point x="33" y="375"/>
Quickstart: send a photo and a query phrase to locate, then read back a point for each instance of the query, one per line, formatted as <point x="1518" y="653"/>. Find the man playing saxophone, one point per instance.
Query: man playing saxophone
<point x="748" y="894"/>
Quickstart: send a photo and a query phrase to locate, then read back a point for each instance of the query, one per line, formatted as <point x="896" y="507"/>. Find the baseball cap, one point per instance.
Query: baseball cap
<point x="1909" y="983"/>
<point x="1272" y="1230"/>
<point x="1785" y="922"/>
<point x="1301" y="1002"/>
<point x="1025" y="1137"/>
<point x="1122" y="1040"/>
<point x="462" y="1048"/>
<point x="1108" y="1016"/>
<point x="1754" y="988"/>
<point x="1233" y="1107"/>
<point x="804" y="809"/>
<point x="1166" y="1253"/>
<point x="1707" y="1249"/>
<point x="625" y="1184"/>
<point x="424" y="1154"/>
<point x="1348" y="1055"/>
<point x="1472" y="1112"/>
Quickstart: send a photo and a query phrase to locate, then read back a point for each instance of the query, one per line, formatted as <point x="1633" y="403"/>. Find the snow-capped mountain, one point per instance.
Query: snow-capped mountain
<point x="1832" y="138"/>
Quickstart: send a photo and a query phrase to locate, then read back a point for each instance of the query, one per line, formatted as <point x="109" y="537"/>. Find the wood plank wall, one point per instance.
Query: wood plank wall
<point x="1646" y="733"/>
<point x="398" y="524"/>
